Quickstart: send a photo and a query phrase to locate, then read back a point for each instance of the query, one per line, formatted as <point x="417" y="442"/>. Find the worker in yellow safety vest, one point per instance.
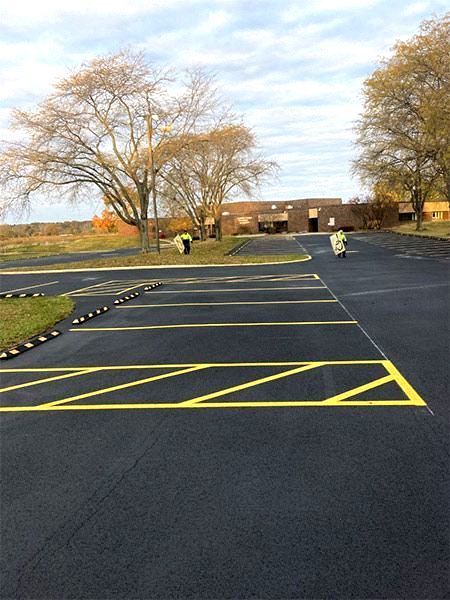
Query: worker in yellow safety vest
<point x="342" y="237"/>
<point x="187" y="241"/>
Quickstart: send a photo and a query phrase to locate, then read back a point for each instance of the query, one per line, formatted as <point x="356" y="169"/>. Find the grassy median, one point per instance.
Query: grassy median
<point x="439" y="229"/>
<point x="21" y="318"/>
<point x="202" y="253"/>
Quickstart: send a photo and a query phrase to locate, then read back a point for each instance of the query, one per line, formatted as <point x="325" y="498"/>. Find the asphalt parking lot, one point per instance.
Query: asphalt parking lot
<point x="268" y="431"/>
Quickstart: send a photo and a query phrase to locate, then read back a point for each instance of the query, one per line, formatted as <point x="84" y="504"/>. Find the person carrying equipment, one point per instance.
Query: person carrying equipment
<point x="187" y="240"/>
<point x="342" y="237"/>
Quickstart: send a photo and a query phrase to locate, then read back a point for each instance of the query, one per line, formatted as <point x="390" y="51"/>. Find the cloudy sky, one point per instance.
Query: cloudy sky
<point x="293" y="69"/>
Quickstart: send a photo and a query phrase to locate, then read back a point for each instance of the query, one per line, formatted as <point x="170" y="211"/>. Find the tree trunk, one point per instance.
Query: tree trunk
<point x="202" y="228"/>
<point x="218" y="224"/>
<point x="143" y="234"/>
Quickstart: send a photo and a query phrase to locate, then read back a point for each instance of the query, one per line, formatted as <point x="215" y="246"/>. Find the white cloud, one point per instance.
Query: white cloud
<point x="416" y="8"/>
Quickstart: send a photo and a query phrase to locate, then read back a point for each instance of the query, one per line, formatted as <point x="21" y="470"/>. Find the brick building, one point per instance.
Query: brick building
<point x="307" y="214"/>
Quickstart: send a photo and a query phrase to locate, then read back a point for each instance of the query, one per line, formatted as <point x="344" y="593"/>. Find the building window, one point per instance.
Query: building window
<point x="438" y="215"/>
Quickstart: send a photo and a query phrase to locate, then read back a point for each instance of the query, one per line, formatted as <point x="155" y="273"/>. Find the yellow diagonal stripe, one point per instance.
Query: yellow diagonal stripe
<point x="249" y="384"/>
<point x="123" y="386"/>
<point x="359" y="389"/>
<point x="403" y="384"/>
<point x="48" y="379"/>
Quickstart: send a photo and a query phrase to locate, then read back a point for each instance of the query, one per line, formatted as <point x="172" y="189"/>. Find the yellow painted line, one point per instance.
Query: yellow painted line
<point x="129" y="289"/>
<point x="162" y="406"/>
<point x="88" y="287"/>
<point x="249" y="384"/>
<point x="123" y="386"/>
<point x="223" y="303"/>
<point x="359" y="390"/>
<point x="30" y="287"/>
<point x="403" y="384"/>
<point x="48" y="379"/>
<point x="186" y="365"/>
<point x="270" y="289"/>
<point x="196" y="325"/>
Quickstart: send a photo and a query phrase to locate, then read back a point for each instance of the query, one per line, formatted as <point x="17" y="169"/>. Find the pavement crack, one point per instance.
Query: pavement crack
<point x="77" y="520"/>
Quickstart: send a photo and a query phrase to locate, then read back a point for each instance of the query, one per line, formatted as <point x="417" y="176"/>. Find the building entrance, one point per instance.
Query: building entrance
<point x="313" y="224"/>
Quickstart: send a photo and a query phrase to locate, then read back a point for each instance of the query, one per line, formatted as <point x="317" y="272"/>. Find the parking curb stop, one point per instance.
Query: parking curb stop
<point x="91" y="315"/>
<point x="151" y="286"/>
<point x="31" y="343"/>
<point x="22" y="295"/>
<point x="126" y="298"/>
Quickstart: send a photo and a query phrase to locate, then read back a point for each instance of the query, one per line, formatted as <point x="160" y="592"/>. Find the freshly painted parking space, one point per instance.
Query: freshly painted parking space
<point x="315" y="330"/>
<point x="264" y="460"/>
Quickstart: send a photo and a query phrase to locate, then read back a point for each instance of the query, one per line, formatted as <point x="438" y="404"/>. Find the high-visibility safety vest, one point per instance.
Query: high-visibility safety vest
<point x="341" y="236"/>
<point x="186" y="236"/>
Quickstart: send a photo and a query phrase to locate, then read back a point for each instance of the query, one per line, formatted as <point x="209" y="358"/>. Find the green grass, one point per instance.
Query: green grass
<point x="202" y="253"/>
<point x="36" y="247"/>
<point x="429" y="228"/>
<point x="22" y="318"/>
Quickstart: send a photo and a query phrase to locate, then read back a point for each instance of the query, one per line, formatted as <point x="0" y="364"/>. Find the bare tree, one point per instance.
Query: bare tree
<point x="111" y="126"/>
<point x="217" y="166"/>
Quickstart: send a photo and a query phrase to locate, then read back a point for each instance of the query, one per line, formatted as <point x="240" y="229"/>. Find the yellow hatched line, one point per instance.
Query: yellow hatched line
<point x="129" y="288"/>
<point x="48" y="379"/>
<point x="196" y="325"/>
<point x="359" y="390"/>
<point x="225" y="303"/>
<point x="88" y="287"/>
<point x="123" y="386"/>
<point x="403" y="384"/>
<point x="249" y="384"/>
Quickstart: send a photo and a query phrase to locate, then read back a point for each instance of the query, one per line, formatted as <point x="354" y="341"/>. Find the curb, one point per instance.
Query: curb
<point x="21" y="295"/>
<point x="153" y="285"/>
<point x="91" y="315"/>
<point x="156" y="267"/>
<point x="126" y="298"/>
<point x="31" y="343"/>
<point x="427" y="237"/>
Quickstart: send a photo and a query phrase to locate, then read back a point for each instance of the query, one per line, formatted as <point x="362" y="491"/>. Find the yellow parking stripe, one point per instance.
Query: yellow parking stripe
<point x="223" y="303"/>
<point x="162" y="406"/>
<point x="403" y="384"/>
<point x="359" y="390"/>
<point x="193" y="325"/>
<point x="270" y="289"/>
<point x="48" y="379"/>
<point x="123" y="386"/>
<point x="249" y="384"/>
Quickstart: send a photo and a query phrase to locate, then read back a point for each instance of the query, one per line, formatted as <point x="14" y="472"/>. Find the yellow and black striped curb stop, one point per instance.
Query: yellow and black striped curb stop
<point x="31" y="343"/>
<point x="152" y="285"/>
<point x="22" y="295"/>
<point x="126" y="298"/>
<point x="91" y="315"/>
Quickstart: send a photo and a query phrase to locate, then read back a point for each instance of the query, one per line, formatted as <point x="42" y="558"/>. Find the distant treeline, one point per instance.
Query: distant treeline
<point x="35" y="229"/>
